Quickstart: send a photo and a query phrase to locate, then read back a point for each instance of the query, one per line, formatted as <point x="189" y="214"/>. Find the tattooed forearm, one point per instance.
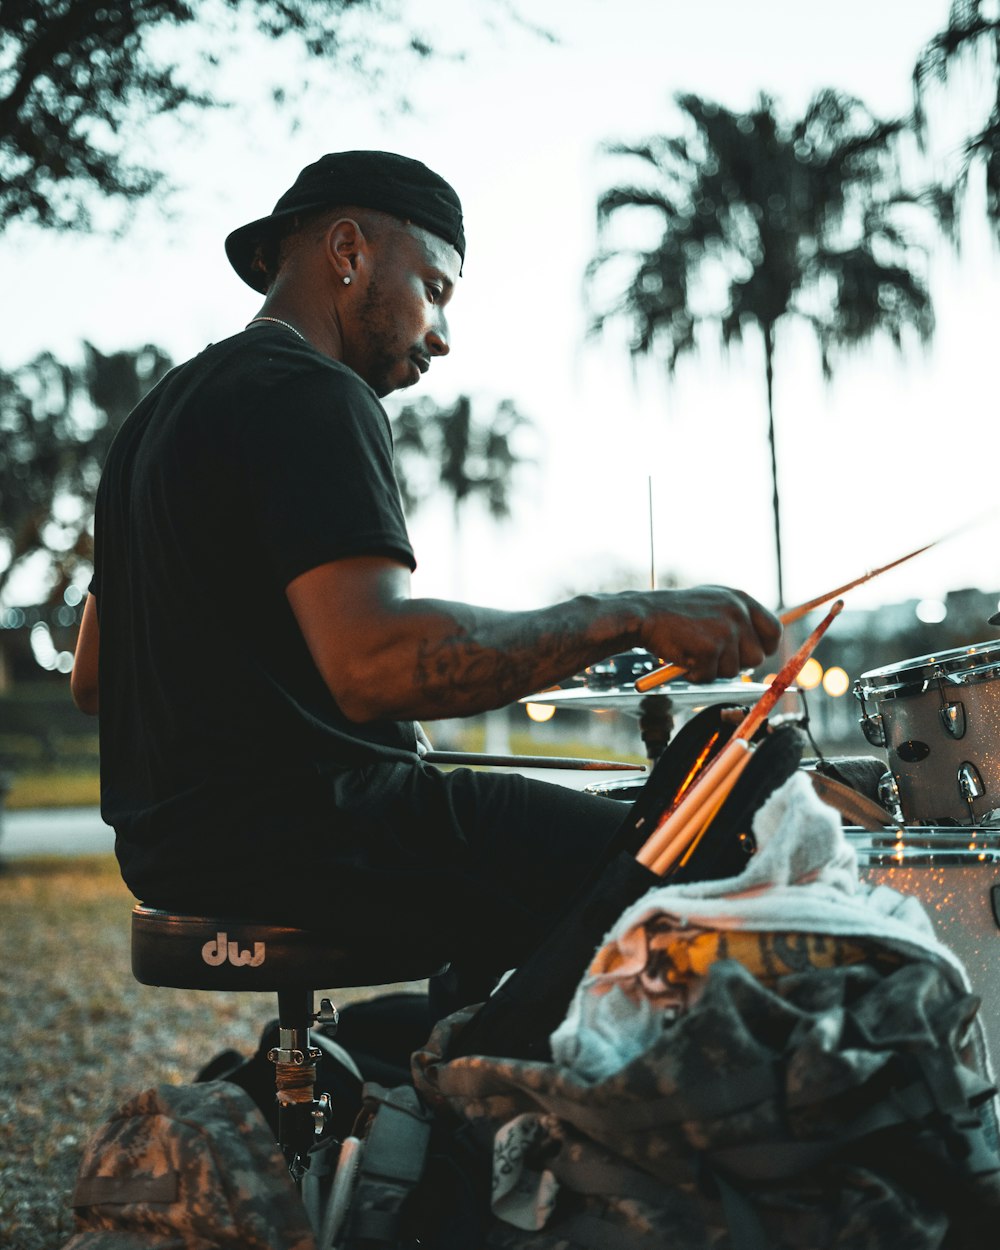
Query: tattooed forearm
<point x="500" y="657"/>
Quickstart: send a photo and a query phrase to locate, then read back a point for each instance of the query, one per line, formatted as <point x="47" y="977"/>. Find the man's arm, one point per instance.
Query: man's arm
<point x="83" y="679"/>
<point x="384" y="655"/>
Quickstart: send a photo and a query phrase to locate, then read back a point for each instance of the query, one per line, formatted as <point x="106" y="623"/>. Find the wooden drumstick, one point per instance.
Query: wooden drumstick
<point x="680" y="824"/>
<point x="660" y="676"/>
<point x="688" y="834"/>
<point x="786" y="675"/>
<point x="491" y="760"/>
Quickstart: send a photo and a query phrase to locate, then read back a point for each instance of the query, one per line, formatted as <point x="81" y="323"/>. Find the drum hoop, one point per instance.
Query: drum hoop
<point x="966" y="666"/>
<point x="937" y="846"/>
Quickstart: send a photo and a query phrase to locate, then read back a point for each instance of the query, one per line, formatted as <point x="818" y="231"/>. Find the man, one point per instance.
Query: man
<point x="261" y="663"/>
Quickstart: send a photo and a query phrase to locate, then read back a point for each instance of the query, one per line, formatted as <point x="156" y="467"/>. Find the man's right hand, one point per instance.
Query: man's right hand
<point x="709" y="631"/>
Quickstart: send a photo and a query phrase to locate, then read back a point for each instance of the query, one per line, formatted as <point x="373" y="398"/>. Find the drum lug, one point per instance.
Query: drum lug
<point x="888" y="796"/>
<point x="970" y="784"/>
<point x="874" y="729"/>
<point x="953" y="718"/>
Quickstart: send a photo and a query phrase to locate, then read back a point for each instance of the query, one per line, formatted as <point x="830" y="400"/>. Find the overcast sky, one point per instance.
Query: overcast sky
<point x="895" y="453"/>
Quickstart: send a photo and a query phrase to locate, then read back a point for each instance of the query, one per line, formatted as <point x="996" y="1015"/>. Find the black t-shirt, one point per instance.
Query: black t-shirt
<point x="247" y="466"/>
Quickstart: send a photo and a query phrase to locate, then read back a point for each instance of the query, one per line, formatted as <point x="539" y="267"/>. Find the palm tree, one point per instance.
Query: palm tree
<point x="971" y="37"/>
<point x="447" y="448"/>
<point x="56" y="425"/>
<point x="802" y="219"/>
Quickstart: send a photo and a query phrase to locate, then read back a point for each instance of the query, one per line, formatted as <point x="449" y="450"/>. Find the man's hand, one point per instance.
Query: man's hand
<point x="710" y="631"/>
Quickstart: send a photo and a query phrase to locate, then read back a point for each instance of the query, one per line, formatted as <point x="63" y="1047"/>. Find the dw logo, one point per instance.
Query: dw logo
<point x="217" y="952"/>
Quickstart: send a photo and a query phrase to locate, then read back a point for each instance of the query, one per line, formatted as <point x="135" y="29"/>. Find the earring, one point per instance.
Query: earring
<point x="347" y="280"/>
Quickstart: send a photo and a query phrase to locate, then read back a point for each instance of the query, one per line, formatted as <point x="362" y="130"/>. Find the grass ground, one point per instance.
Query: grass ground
<point x="32" y="788"/>
<point x="80" y="1035"/>
<point x="53" y="789"/>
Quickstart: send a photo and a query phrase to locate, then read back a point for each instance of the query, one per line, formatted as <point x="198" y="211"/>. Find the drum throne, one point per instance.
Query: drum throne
<point x="175" y="950"/>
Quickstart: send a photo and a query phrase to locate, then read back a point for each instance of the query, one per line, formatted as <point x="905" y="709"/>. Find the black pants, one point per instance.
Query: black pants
<point x="480" y="862"/>
<point x="473" y="864"/>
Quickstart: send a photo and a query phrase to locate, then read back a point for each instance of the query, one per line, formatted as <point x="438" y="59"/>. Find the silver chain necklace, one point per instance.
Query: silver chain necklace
<point x="277" y="321"/>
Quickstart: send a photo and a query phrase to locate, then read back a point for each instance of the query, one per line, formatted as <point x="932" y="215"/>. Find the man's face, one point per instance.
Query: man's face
<point x="399" y="321"/>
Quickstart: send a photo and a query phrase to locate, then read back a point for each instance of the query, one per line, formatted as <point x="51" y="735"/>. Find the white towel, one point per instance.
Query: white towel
<point x="802" y="879"/>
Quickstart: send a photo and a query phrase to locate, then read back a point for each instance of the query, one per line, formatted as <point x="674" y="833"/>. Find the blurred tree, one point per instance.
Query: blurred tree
<point x="56" y="424"/>
<point x="764" y="220"/>
<point x="971" y="38"/>
<point x="448" y="449"/>
<point x="78" y="80"/>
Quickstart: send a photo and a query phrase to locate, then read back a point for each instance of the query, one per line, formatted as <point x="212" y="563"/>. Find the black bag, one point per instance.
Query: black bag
<point x="518" y="1018"/>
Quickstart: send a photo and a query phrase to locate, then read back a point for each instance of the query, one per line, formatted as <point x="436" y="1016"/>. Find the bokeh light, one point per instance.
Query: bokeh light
<point x="836" y="682"/>
<point x="931" y="611"/>
<point x="540" y="712"/>
<point x="811" y="674"/>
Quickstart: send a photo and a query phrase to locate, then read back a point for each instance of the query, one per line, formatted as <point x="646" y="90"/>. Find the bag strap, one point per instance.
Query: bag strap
<point x="392" y="1164"/>
<point x="722" y="1095"/>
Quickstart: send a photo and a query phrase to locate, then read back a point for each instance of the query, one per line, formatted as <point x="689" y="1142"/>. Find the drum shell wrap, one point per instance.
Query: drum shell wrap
<point x="957" y="878"/>
<point x="939" y="717"/>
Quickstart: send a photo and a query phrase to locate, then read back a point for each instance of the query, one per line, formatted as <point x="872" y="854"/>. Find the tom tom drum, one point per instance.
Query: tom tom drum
<point x="938" y="718"/>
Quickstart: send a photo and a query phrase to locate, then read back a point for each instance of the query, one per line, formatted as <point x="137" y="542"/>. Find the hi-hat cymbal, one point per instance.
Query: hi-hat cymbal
<point x="688" y="695"/>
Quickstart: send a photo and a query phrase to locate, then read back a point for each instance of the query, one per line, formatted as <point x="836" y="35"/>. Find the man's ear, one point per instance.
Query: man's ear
<point x="348" y="249"/>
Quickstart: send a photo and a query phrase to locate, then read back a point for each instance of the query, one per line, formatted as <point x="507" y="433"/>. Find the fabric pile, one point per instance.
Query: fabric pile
<point x="783" y="1059"/>
<point x="798" y="905"/>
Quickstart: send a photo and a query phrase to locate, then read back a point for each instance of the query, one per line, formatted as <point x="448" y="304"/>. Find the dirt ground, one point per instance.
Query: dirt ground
<point x="79" y="1035"/>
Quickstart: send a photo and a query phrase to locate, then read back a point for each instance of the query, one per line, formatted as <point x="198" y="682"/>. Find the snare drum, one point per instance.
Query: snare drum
<point x="956" y="875"/>
<point x="938" y="718"/>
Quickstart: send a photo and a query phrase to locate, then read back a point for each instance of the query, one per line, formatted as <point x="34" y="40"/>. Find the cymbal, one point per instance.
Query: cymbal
<point x="682" y="694"/>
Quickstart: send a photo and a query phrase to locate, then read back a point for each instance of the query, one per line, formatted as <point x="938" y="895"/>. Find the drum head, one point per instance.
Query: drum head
<point x="960" y="666"/>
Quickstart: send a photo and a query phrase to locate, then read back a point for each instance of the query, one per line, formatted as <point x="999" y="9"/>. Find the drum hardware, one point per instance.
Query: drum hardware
<point x="970" y="784"/>
<point x="888" y="796"/>
<point x="656" y="724"/>
<point x="872" y="727"/>
<point x="953" y="719"/>
<point x="617" y="671"/>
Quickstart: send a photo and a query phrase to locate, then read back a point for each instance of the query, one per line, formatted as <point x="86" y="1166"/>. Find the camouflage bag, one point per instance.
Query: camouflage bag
<point x="187" y="1167"/>
<point x="832" y="1106"/>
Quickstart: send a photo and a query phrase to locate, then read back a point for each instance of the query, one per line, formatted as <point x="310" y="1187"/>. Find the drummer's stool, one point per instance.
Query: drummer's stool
<point x="226" y="953"/>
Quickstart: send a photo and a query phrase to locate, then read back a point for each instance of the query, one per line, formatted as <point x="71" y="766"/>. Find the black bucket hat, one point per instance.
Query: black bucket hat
<point x="385" y="181"/>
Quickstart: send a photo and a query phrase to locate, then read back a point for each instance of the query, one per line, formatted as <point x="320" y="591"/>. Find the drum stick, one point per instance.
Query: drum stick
<point x="528" y="761"/>
<point x="710" y="816"/>
<point x="660" y="676"/>
<point x="786" y="675"/>
<point x="694" y="803"/>
<point x="679" y="831"/>
<point x="697" y="800"/>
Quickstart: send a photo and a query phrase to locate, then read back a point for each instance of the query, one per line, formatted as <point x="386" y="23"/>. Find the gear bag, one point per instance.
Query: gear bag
<point x="187" y="1167"/>
<point x="782" y="1059"/>
<point x="832" y="1107"/>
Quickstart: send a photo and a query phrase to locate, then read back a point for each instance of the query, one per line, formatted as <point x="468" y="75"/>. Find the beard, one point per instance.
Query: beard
<point x="384" y="357"/>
